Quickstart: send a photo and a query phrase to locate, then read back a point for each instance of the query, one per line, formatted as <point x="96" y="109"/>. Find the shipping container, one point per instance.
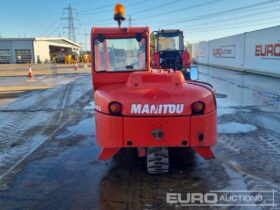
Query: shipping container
<point x="256" y="51"/>
<point x="200" y="52"/>
<point x="262" y="52"/>
<point x="227" y="52"/>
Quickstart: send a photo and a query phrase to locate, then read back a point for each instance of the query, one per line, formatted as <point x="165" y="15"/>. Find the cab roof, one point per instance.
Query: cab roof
<point x="116" y="30"/>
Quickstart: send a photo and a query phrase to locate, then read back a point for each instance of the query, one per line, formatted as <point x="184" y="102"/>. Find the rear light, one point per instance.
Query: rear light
<point x="198" y="107"/>
<point x="115" y="108"/>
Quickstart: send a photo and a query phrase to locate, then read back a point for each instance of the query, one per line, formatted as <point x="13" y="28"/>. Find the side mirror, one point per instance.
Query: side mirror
<point x="194" y="73"/>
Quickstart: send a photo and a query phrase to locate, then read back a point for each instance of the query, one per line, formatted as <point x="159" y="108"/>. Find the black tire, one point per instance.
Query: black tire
<point x="157" y="160"/>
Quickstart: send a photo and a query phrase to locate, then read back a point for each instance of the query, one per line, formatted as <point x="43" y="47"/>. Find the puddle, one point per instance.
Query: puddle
<point x="233" y="89"/>
<point x="85" y="127"/>
<point x="228" y="111"/>
<point x="219" y="95"/>
<point x="235" y="181"/>
<point x="234" y="127"/>
<point x="17" y="151"/>
<point x="90" y="106"/>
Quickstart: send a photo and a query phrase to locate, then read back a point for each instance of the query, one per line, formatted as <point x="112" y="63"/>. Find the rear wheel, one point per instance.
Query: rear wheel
<point x="157" y="160"/>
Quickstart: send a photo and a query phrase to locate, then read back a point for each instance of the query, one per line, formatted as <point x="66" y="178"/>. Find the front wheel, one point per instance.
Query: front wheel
<point x="157" y="160"/>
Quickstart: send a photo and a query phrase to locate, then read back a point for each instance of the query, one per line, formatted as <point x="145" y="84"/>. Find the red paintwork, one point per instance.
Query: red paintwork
<point x="107" y="153"/>
<point x="138" y="130"/>
<point x="154" y="88"/>
<point x="151" y="88"/>
<point x="205" y="152"/>
<point x="98" y="63"/>
<point x="106" y="55"/>
<point x="106" y="78"/>
<point x="186" y="59"/>
<point x="155" y="61"/>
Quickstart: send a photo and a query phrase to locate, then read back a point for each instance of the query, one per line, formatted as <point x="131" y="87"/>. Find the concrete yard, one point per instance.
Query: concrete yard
<point x="48" y="150"/>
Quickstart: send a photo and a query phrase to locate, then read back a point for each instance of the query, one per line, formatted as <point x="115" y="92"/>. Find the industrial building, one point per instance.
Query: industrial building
<point x="35" y="50"/>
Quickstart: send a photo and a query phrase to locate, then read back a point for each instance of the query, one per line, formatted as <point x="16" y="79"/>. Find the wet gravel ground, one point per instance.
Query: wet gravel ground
<point x="64" y="173"/>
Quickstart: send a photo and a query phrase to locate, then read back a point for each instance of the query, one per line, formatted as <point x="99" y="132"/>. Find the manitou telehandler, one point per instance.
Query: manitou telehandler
<point x="148" y="109"/>
<point x="168" y="51"/>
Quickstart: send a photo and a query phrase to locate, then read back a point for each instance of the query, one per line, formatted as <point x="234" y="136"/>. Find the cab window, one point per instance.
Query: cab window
<point x="114" y="55"/>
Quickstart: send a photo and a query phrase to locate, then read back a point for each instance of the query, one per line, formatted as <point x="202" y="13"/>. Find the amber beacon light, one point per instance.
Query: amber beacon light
<point x="119" y="14"/>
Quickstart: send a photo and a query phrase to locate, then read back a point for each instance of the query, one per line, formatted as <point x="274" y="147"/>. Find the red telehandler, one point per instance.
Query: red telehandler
<point x="148" y="109"/>
<point x="168" y="51"/>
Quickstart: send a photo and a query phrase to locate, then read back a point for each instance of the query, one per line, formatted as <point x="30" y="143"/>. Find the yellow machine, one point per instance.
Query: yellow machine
<point x="86" y="58"/>
<point x="71" y="59"/>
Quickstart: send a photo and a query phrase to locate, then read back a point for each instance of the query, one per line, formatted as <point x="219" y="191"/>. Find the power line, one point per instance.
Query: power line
<point x="231" y="18"/>
<point x="234" y="11"/>
<point x="156" y="7"/>
<point x="237" y="23"/>
<point x="167" y="12"/>
<point x="101" y="9"/>
<point x="51" y="32"/>
<point x="181" y="9"/>
<point x="227" y="12"/>
<point x="230" y="28"/>
<point x="223" y="20"/>
<point x="52" y="26"/>
<point x="98" y="11"/>
<point x="71" y="23"/>
<point x="94" y="9"/>
<point x="81" y="2"/>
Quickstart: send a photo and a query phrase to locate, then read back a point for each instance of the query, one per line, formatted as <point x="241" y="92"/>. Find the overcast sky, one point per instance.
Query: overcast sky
<point x="200" y="19"/>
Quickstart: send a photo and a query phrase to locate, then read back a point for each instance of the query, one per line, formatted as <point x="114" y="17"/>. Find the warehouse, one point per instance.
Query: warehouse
<point x="35" y="50"/>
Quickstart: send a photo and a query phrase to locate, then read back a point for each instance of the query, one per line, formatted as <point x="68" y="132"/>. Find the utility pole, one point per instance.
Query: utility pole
<point x="71" y="23"/>
<point x="86" y="35"/>
<point x="129" y="21"/>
